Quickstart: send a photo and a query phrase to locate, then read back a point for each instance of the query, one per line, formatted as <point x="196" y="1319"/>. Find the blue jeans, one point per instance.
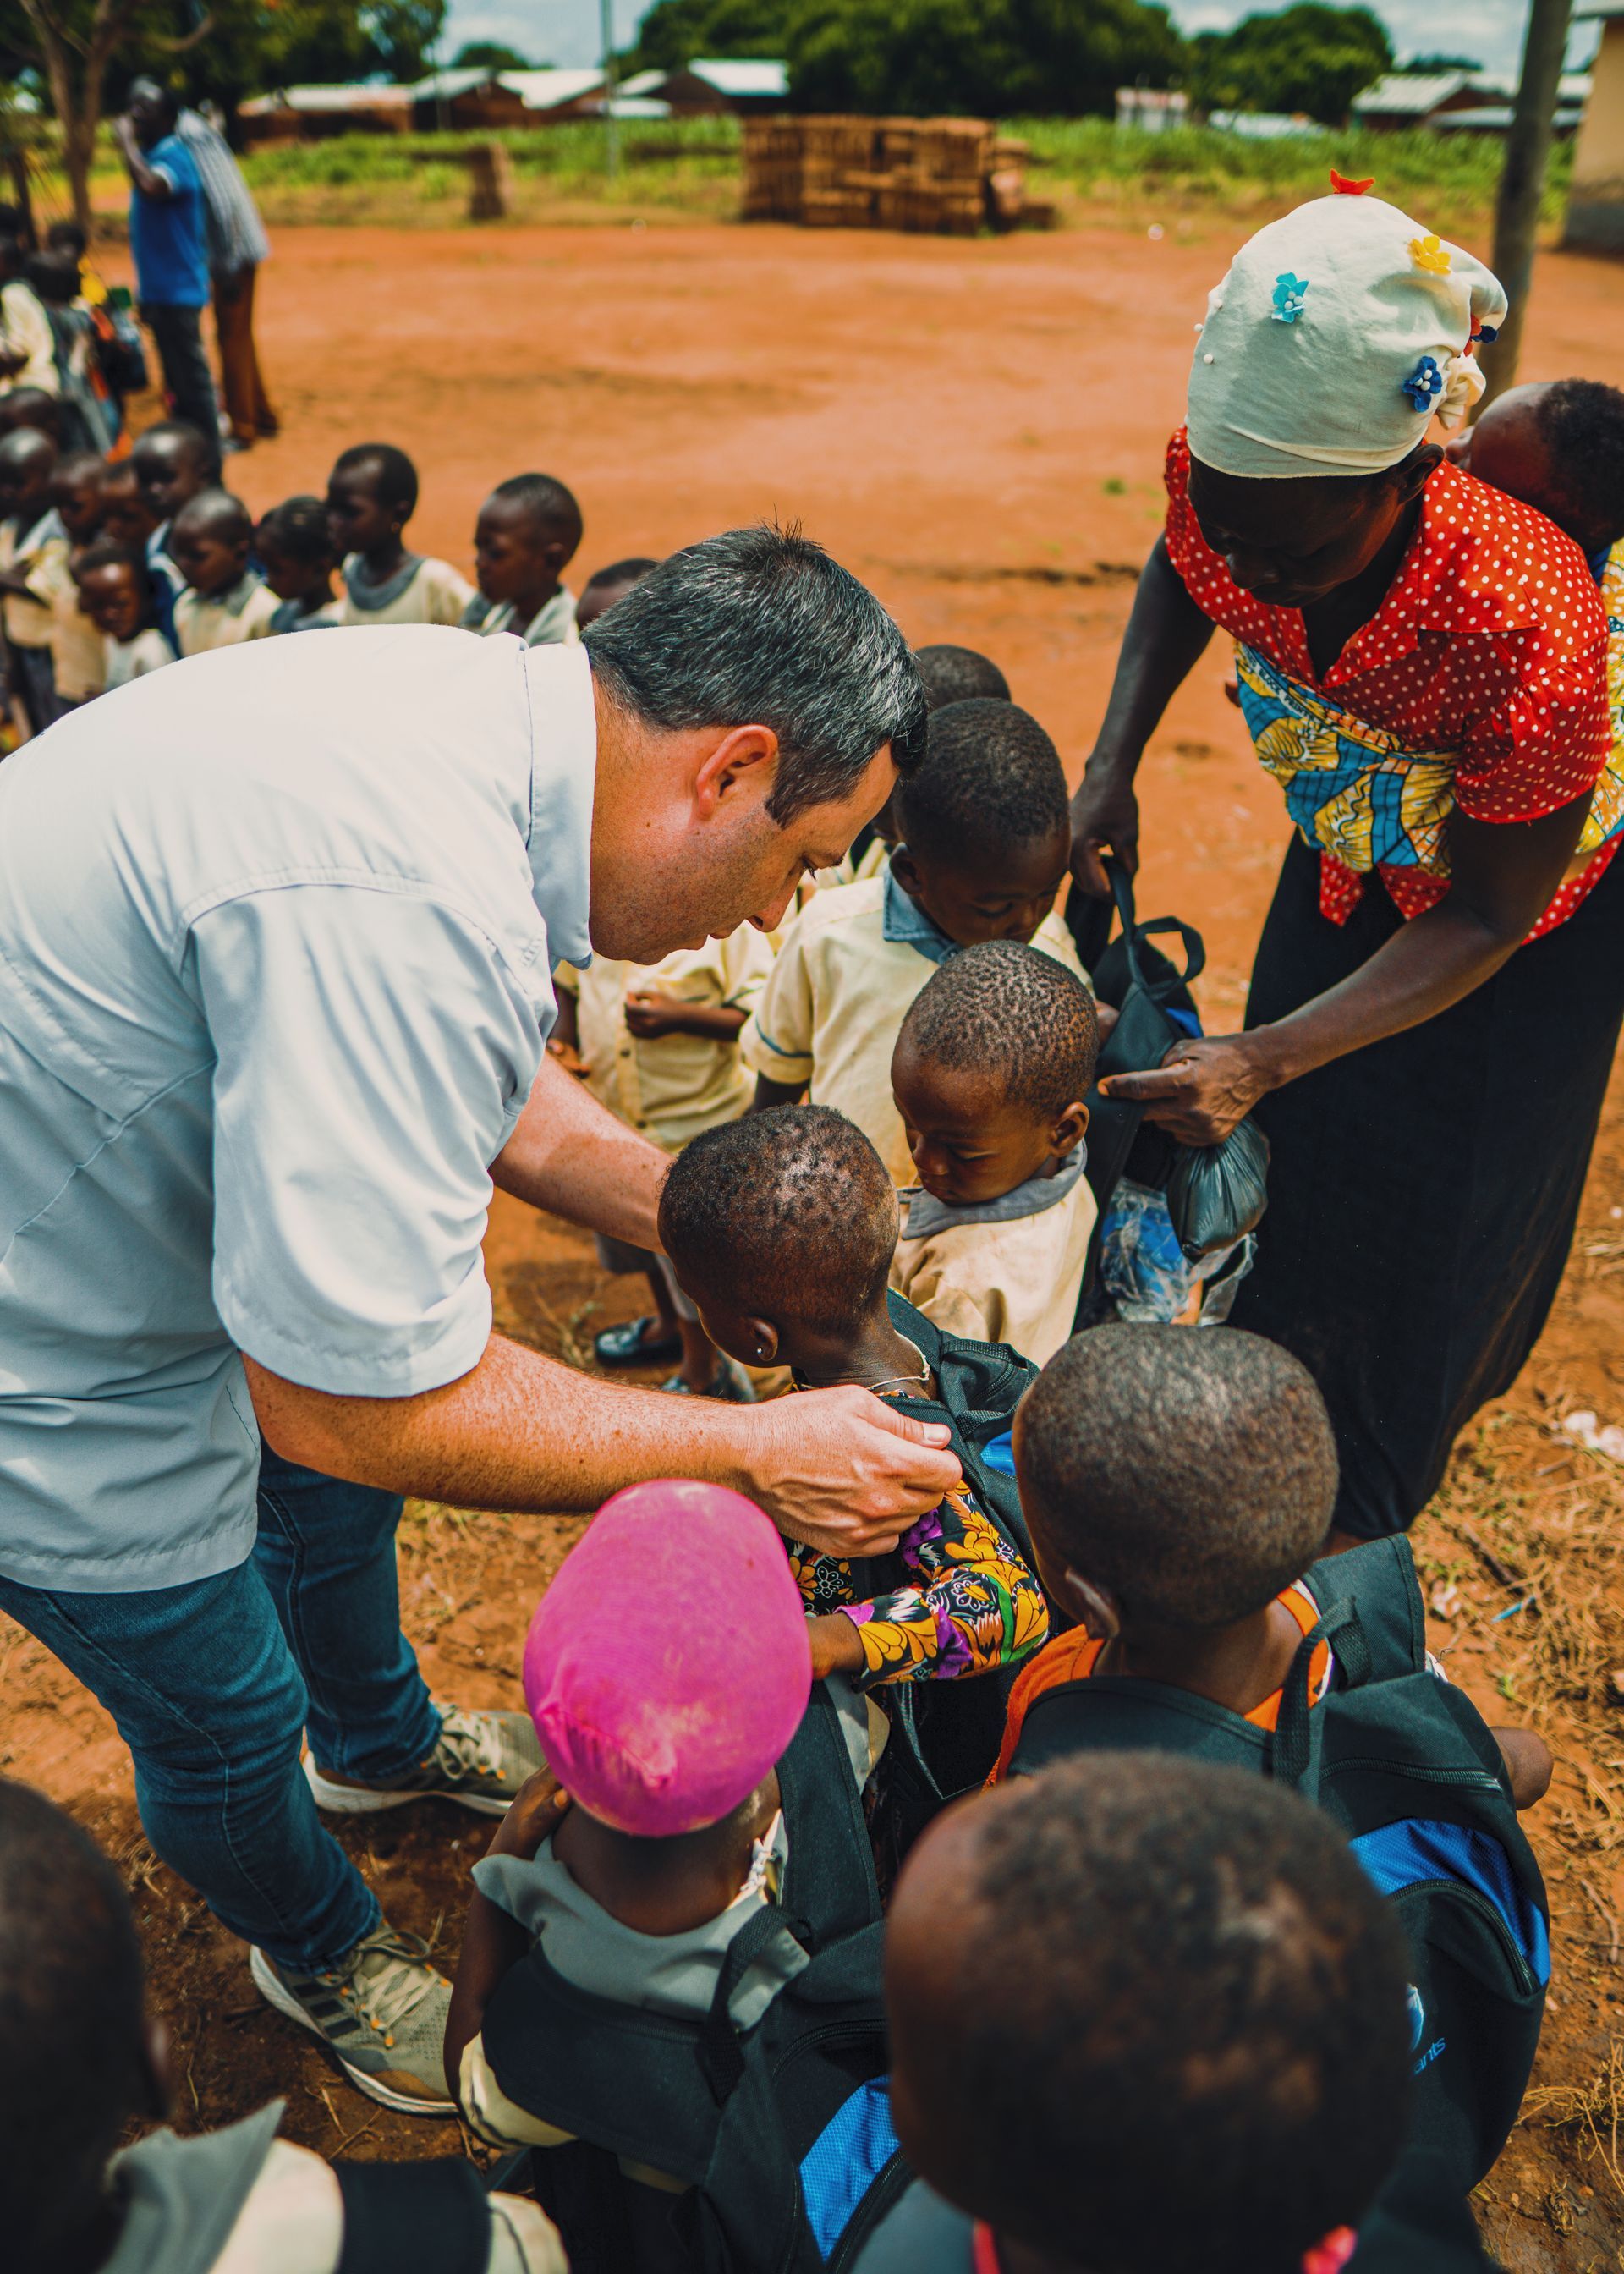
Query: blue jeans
<point x="212" y="1685"/>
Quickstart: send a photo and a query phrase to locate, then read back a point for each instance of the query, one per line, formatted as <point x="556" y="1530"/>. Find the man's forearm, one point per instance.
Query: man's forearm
<point x="520" y="1431"/>
<point x="570" y="1154"/>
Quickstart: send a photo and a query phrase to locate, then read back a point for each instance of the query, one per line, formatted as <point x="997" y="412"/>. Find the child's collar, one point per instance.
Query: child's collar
<point x="924" y="1215"/>
<point x="907" y="924"/>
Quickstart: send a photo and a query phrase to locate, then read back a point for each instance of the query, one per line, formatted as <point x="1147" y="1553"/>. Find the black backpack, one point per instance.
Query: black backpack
<point x="1406" y="1766"/>
<point x="780" y="2134"/>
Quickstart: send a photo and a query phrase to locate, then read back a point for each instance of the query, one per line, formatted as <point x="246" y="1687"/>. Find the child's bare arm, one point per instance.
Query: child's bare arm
<point x="776" y="1092"/>
<point x="494" y="1943"/>
<point x="649" y="1013"/>
<point x="1529" y="1765"/>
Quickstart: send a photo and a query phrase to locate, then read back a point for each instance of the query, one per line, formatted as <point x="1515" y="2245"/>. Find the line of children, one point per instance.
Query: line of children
<point x="222" y="601"/>
<point x="33" y="570"/>
<point x="300" y="557"/>
<point x="371" y="496"/>
<point x="528" y="532"/>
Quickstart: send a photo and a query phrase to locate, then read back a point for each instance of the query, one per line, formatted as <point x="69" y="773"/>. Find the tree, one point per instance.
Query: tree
<point x="1310" y="58"/>
<point x="986" y="57"/>
<point x="1419" y="64"/>
<point x="674" y="32"/>
<point x="489" y="54"/>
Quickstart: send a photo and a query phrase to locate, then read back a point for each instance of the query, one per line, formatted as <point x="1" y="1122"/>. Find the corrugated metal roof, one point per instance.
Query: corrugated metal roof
<point x="1411" y="95"/>
<point x="1597" y="11"/>
<point x="1495" y="118"/>
<point x="545" y="90"/>
<point x="314" y="98"/>
<point x="735" y="75"/>
<point x="641" y="83"/>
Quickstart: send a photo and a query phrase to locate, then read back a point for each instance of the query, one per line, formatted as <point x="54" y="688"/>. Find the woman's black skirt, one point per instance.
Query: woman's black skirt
<point x="1423" y="1191"/>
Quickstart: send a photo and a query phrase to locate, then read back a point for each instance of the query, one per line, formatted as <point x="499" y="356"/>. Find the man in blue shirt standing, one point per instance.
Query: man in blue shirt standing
<point x="169" y="245"/>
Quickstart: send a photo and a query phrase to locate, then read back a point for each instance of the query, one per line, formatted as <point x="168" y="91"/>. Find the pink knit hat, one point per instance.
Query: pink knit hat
<point x="667" y="1665"/>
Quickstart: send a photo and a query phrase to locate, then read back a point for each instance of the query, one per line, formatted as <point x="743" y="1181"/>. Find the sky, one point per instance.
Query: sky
<point x="567" y="31"/>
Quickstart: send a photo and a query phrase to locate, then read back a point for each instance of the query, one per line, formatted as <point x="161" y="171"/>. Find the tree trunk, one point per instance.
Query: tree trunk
<point x="1522" y="181"/>
<point x="77" y="103"/>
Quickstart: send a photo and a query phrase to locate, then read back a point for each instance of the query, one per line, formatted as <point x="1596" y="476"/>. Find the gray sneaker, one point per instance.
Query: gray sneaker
<point x="381" y="2014"/>
<point x="479" y="1761"/>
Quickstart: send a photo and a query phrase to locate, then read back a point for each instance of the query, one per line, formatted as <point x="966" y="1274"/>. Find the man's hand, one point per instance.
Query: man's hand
<point x="1201" y="1089"/>
<point x="1105" y="815"/>
<point x="844" y="1471"/>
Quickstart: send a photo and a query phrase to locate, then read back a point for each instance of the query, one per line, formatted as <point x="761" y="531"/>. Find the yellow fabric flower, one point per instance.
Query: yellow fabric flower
<point x="1431" y="254"/>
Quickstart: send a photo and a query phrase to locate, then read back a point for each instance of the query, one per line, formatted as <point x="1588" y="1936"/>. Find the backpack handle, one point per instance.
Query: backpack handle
<point x="1134" y="932"/>
<point x="719" y="2052"/>
<point x="1295" y="1757"/>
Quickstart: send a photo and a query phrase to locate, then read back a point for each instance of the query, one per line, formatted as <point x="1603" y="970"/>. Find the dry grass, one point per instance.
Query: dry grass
<point x="1590" y="2112"/>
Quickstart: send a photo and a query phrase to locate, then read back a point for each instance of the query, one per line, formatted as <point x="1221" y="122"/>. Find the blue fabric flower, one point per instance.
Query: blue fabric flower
<point x="1425" y="384"/>
<point x="1486" y="332"/>
<point x="1288" y="297"/>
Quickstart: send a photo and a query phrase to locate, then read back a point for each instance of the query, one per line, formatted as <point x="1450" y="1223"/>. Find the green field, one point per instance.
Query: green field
<point x="689" y="169"/>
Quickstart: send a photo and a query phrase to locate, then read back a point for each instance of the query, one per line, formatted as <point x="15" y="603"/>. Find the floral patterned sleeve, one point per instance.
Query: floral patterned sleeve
<point x="975" y="1607"/>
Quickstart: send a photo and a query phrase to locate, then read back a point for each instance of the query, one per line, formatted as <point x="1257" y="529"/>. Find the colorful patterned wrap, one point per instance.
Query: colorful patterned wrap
<point x="1358" y="796"/>
<point x="975" y="1607"/>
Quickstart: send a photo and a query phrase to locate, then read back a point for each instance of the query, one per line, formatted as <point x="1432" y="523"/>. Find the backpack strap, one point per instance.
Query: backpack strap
<point x="1296" y="1753"/>
<point x="829" y="1880"/>
<point x="432" y="2216"/>
<point x="720" y="2055"/>
<point x="1380" y="1576"/>
<point x="1113" y="1713"/>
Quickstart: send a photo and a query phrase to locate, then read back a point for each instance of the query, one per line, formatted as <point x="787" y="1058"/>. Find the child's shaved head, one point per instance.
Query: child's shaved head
<point x="217" y="513"/>
<point x="959" y="674"/>
<point x="388" y="472"/>
<point x="787" y="1214"/>
<point x="1014" y="1014"/>
<point x="1190" y="1473"/>
<point x="1148" y="2017"/>
<point x="549" y="508"/>
<point x="991" y="778"/>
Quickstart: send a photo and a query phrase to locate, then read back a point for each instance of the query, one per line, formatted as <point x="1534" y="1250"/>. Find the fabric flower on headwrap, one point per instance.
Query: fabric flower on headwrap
<point x="1343" y="188"/>
<point x="1290" y="297"/>
<point x="1463" y="383"/>
<point x="1431" y="254"/>
<point x="1339" y="394"/>
<point x="1425" y="384"/>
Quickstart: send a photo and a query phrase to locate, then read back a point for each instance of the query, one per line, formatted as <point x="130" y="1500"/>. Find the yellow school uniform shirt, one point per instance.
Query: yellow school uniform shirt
<point x="669" y="1087"/>
<point x="1015" y="1280"/>
<point x="433" y="593"/>
<point x="830" y="1014"/>
<point x="39" y="553"/>
<point x="245" y="613"/>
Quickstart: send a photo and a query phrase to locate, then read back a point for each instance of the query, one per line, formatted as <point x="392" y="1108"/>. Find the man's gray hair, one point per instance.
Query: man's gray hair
<point x="760" y="627"/>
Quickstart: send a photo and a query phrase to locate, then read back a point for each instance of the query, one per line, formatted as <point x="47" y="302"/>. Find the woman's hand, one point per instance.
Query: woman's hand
<point x="532" y="1814"/>
<point x="1105" y="814"/>
<point x="1201" y="1089"/>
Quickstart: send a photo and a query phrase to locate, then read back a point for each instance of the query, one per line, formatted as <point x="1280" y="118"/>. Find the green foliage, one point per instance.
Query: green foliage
<point x="404" y="35"/>
<point x="984" y="57"/>
<point x="489" y="54"/>
<point x="1310" y="58"/>
<point x="1442" y="64"/>
<point x="674" y="32"/>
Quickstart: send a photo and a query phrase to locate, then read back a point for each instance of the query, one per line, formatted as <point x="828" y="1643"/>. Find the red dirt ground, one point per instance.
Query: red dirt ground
<point x="977" y="430"/>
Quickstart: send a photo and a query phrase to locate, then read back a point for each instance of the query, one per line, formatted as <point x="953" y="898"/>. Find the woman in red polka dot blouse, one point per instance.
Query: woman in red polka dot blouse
<point x="1439" y="988"/>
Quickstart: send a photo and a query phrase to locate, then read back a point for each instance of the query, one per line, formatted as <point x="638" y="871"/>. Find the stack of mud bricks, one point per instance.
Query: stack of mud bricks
<point x="935" y="176"/>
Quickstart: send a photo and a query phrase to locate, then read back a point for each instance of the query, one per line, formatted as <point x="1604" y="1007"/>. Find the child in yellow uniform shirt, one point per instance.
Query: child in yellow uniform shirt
<point x="659" y="1046"/>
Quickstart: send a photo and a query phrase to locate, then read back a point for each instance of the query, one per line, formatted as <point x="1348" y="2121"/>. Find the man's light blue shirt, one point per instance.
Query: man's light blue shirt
<point x="277" y="932"/>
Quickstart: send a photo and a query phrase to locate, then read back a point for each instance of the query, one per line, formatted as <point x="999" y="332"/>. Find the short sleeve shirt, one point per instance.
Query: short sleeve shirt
<point x="276" y="927"/>
<point x="1490" y="642"/>
<point x="167" y="236"/>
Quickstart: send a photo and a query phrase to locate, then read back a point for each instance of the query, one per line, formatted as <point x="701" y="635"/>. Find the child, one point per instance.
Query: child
<point x="659" y="1043"/>
<point x="34" y="567"/>
<point x="116" y="593"/>
<point x="371" y="496"/>
<point x="32" y="406"/>
<point x="665" y="1724"/>
<point x="173" y="462"/>
<point x="1558" y="445"/>
<point x="1166" y="2032"/>
<point x="77" y="661"/>
<point x="987" y="828"/>
<point x="82" y="2067"/>
<point x="528" y="532"/>
<point x="989" y="1074"/>
<point x="224" y="601"/>
<point x="781" y="1229"/>
<point x="296" y="549"/>
<point x="126" y="516"/>
<point x="960" y="675"/>
<point x="1179" y="1488"/>
<point x="602" y="589"/>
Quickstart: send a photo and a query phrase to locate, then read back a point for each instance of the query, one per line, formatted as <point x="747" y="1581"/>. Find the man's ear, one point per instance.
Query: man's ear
<point x="1416" y="468"/>
<point x="903" y="868"/>
<point x="764" y="1341"/>
<point x="1068" y="1129"/>
<point x="1096" y="1609"/>
<point x="745" y="761"/>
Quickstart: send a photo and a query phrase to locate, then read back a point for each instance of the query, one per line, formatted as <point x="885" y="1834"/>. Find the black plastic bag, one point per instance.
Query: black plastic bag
<point x="1217" y="1193"/>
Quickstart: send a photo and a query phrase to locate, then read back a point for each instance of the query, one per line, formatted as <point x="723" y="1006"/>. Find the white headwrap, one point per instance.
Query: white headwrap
<point x="1339" y="332"/>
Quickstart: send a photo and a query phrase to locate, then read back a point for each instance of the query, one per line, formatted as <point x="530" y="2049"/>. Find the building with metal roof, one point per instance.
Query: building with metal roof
<point x="1596" y="198"/>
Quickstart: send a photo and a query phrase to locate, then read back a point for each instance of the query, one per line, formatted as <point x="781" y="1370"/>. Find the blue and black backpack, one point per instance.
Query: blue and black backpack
<point x="779" y="2136"/>
<point x="1406" y="1765"/>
